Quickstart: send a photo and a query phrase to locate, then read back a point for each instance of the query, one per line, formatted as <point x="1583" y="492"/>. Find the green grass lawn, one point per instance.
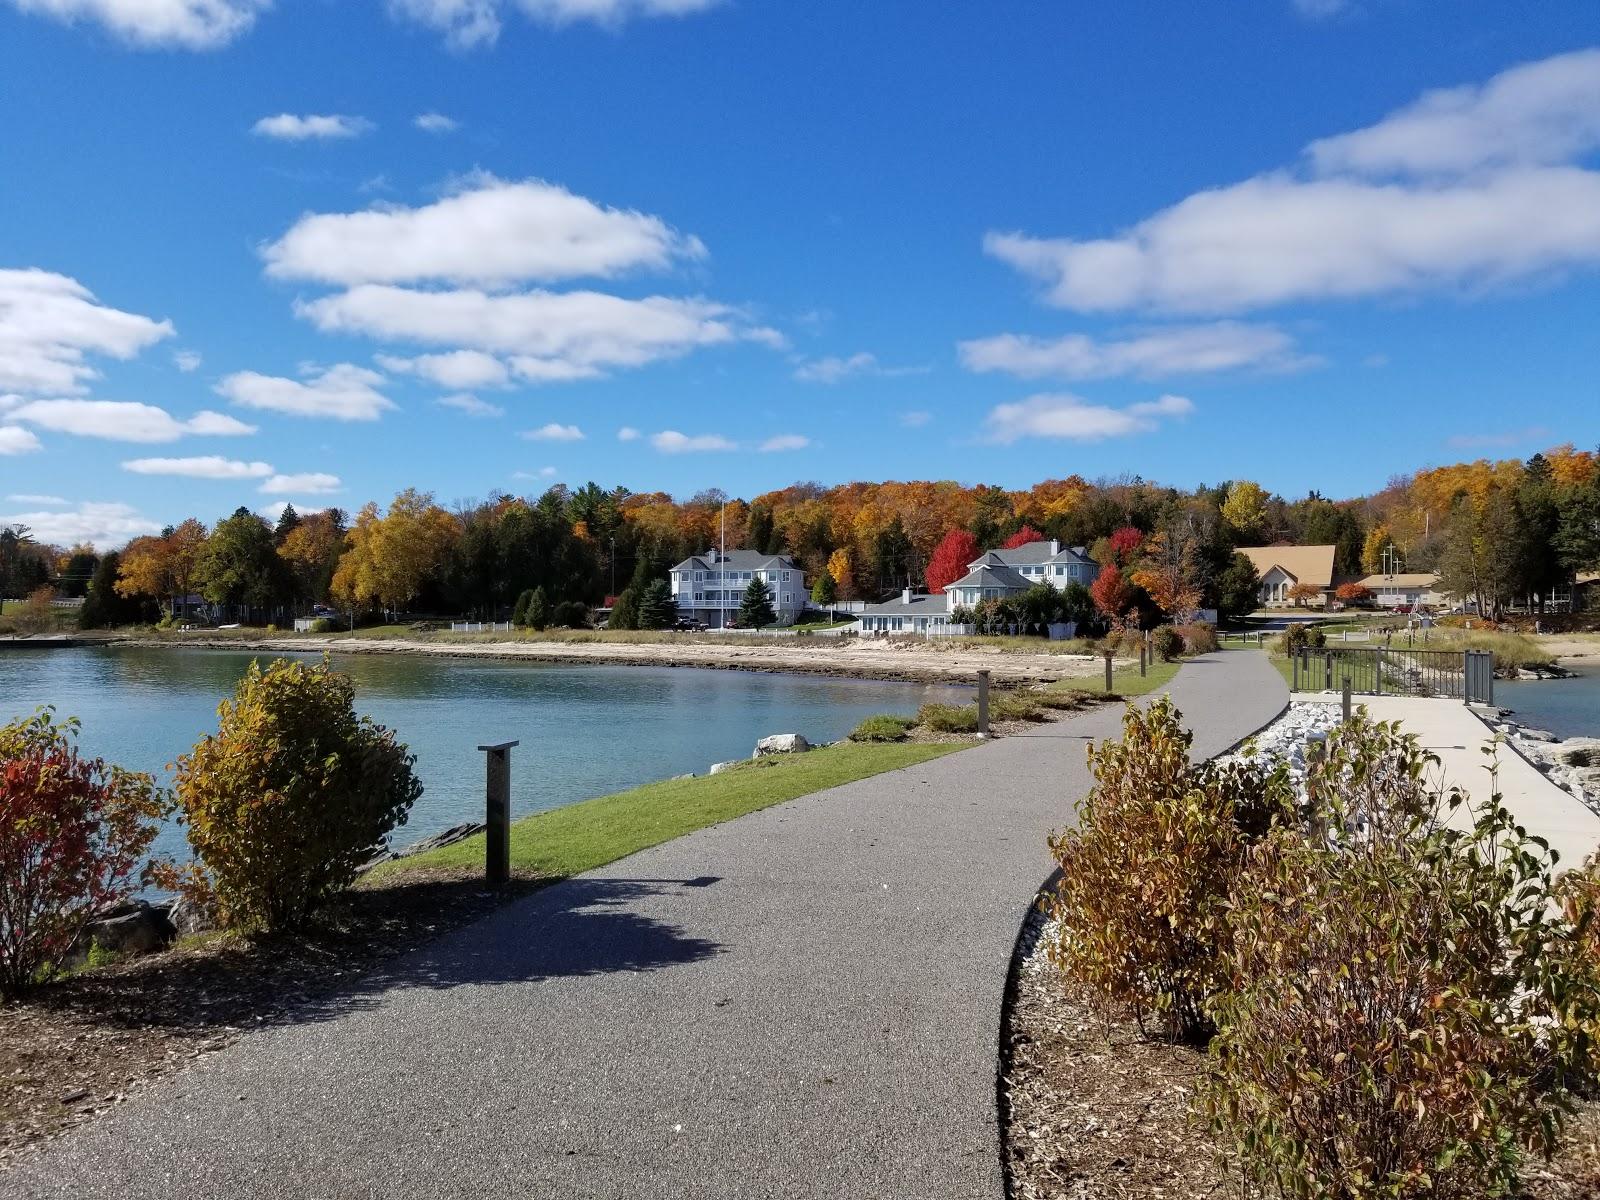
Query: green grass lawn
<point x="579" y="837"/>
<point x="1125" y="681"/>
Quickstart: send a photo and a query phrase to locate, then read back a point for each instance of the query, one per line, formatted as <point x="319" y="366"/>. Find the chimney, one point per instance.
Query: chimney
<point x="905" y="595"/>
<point x="1055" y="547"/>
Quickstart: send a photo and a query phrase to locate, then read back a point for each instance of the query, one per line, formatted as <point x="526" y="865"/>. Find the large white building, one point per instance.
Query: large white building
<point x="709" y="587"/>
<point x="993" y="575"/>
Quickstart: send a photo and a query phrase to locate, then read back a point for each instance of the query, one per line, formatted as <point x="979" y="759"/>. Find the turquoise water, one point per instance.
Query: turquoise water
<point x="1566" y="707"/>
<point x="585" y="731"/>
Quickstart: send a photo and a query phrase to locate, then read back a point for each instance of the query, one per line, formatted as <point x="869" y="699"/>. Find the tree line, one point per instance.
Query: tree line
<point x="1502" y="533"/>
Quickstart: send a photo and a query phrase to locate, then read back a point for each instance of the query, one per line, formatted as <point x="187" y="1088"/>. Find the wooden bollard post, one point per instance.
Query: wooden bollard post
<point x="497" y="813"/>
<point x="1108" y="670"/>
<point x="1144" y="656"/>
<point x="1347" y="699"/>
<point x="983" y="703"/>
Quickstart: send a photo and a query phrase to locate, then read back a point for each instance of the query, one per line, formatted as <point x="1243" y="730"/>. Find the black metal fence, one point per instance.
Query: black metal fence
<point x="1466" y="675"/>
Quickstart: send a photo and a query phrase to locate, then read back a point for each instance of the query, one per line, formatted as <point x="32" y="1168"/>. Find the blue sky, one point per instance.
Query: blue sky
<point x="766" y="241"/>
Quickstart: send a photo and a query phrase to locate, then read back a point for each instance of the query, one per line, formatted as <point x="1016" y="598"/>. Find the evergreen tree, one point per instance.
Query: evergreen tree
<point x="288" y="522"/>
<point x="755" y="609"/>
<point x="1238" y="588"/>
<point x="104" y="607"/>
<point x="625" y="612"/>
<point x="824" y="592"/>
<point x="519" y="612"/>
<point x="657" y="609"/>
<point x="537" y="613"/>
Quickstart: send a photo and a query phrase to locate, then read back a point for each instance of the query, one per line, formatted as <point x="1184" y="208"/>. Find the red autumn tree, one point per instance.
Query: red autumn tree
<point x="1353" y="593"/>
<point x="1111" y="593"/>
<point x="72" y="832"/>
<point x="954" y="554"/>
<point x="1022" y="537"/>
<point x="1125" y="543"/>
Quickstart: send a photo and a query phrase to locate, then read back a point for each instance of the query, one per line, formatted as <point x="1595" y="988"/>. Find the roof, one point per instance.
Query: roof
<point x="1031" y="554"/>
<point x="1421" y="579"/>
<point x="737" y="560"/>
<point x="921" y="604"/>
<point x="1303" y="564"/>
<point x="992" y="577"/>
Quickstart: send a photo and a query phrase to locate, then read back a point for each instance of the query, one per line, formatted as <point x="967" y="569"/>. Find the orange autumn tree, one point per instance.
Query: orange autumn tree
<point x="951" y="559"/>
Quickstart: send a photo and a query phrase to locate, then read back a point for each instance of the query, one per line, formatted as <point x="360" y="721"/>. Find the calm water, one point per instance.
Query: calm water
<point x="1566" y="707"/>
<point x="585" y="731"/>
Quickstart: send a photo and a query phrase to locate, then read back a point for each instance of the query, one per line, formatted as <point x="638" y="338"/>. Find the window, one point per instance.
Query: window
<point x="699" y="575"/>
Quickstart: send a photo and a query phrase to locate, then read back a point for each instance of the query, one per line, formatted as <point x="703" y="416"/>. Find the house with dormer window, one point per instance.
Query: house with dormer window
<point x="994" y="575"/>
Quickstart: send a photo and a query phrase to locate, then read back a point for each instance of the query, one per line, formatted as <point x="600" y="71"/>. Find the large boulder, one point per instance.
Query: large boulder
<point x="781" y="743"/>
<point x="132" y="927"/>
<point x="189" y="918"/>
<point x="719" y="768"/>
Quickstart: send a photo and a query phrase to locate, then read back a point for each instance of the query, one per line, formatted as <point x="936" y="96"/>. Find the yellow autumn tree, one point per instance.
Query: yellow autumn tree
<point x="1246" y="507"/>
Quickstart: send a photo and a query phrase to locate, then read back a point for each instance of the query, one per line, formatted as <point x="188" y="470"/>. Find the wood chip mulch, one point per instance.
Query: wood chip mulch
<point x="80" y="1046"/>
<point x="1092" y="1109"/>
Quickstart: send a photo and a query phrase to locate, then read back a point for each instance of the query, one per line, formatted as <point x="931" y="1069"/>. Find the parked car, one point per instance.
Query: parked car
<point x="688" y="626"/>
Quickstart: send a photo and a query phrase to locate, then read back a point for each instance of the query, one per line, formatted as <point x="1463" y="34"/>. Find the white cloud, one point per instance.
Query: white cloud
<point x="289" y="127"/>
<point x="14" y="439"/>
<point x="457" y="369"/>
<point x="204" y="467"/>
<point x="1178" y="350"/>
<point x="628" y="434"/>
<point x="470" y="24"/>
<point x="1479" y="191"/>
<point x="1536" y="113"/>
<point x="554" y="433"/>
<point x="30" y="498"/>
<point x="1317" y="10"/>
<point x="432" y="122"/>
<point x="123" y="421"/>
<point x="670" y="441"/>
<point x="343" y="392"/>
<point x="186" y="360"/>
<point x="834" y="369"/>
<point x="190" y="24"/>
<point x="488" y="232"/>
<point x="563" y="334"/>
<point x="551" y="370"/>
<point x="541" y="473"/>
<point x="1069" y="417"/>
<point x="784" y="441"/>
<point x="310" y="484"/>
<point x="467" y="403"/>
<point x="915" y="419"/>
<point x="105" y="526"/>
<point x="49" y="322"/>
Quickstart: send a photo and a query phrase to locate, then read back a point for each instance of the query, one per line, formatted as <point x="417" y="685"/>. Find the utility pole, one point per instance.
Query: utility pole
<point x="722" y="572"/>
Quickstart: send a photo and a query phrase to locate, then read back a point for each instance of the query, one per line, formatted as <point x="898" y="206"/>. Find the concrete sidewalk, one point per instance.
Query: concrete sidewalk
<point x="804" y="1002"/>
<point x="1451" y="730"/>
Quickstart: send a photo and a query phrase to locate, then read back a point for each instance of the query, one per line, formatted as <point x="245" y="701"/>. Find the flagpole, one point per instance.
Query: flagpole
<point x="722" y="559"/>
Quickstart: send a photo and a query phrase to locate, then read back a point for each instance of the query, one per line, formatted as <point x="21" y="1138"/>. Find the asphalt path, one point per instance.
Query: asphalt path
<point x="804" y="1002"/>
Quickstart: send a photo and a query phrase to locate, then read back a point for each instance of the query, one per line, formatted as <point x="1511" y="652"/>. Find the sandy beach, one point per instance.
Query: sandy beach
<point x="915" y="662"/>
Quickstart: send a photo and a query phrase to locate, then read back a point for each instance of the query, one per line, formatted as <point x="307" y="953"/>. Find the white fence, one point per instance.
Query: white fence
<point x="480" y="626"/>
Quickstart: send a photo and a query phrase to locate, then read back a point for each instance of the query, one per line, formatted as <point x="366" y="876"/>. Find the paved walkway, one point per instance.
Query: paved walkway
<point x="1457" y="735"/>
<point x="804" y="1002"/>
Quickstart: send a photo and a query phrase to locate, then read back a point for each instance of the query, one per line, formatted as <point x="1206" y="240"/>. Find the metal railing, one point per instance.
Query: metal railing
<point x="1466" y="675"/>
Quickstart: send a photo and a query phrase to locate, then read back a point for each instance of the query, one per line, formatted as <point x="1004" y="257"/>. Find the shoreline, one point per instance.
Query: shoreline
<point x="882" y="661"/>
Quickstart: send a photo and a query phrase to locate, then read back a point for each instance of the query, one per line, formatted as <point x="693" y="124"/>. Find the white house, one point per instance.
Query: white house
<point x="993" y="575"/>
<point x="1405" y="590"/>
<point x="709" y="587"/>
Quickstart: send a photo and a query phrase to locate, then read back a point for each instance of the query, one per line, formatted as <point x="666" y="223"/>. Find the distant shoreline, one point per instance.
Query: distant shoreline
<point x="884" y="661"/>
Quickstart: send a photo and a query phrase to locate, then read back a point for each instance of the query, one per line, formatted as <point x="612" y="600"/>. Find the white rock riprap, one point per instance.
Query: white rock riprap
<point x="1286" y="738"/>
<point x="1572" y="765"/>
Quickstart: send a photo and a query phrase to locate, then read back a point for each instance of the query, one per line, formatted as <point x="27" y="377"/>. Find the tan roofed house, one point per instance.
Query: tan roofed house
<point x="1283" y="567"/>
<point x="1405" y="589"/>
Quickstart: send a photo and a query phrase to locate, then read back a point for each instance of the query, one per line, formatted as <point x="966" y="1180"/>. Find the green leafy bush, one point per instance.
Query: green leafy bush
<point x="323" y="625"/>
<point x="1146" y="874"/>
<point x="885" y="727"/>
<point x="1167" y="643"/>
<point x="291" y="794"/>
<point x="1406" y="1012"/>
<point x="949" y="718"/>
<point x="1199" y="637"/>
<point x="72" y="832"/>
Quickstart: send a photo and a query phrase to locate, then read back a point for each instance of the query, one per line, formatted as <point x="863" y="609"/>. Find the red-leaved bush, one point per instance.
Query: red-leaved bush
<point x="72" y="833"/>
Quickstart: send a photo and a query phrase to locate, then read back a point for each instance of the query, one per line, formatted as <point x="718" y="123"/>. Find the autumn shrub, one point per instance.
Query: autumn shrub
<point x="1167" y="643"/>
<point x="1015" y="706"/>
<point x="1145" y="875"/>
<point x="885" y="727"/>
<point x="1405" y="1011"/>
<point x="949" y="718"/>
<point x="1300" y="637"/>
<point x="1199" y="637"/>
<point x="72" y="834"/>
<point x="289" y="797"/>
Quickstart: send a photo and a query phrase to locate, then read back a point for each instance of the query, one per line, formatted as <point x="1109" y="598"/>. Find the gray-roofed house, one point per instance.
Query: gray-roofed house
<point x="709" y="586"/>
<point x="993" y="575"/>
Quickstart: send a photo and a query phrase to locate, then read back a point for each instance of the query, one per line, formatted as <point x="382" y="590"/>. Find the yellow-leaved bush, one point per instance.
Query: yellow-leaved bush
<point x="1146" y="873"/>
<point x="291" y="795"/>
